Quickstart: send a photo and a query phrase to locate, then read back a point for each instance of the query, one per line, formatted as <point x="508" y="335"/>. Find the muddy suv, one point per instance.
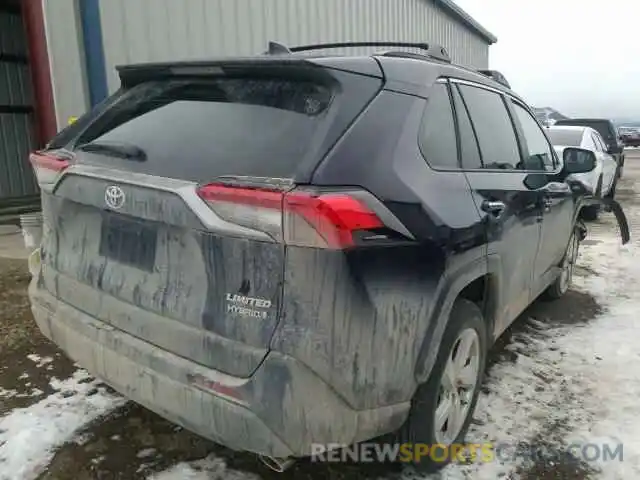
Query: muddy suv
<point x="290" y="250"/>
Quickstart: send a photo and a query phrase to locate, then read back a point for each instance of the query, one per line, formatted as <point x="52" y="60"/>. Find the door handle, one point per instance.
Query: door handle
<point x="493" y="207"/>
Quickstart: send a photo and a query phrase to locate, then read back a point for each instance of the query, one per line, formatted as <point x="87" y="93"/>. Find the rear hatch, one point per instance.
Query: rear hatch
<point x="164" y="207"/>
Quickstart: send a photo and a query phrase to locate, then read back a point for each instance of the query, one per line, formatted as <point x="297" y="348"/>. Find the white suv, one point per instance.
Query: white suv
<point x="601" y="181"/>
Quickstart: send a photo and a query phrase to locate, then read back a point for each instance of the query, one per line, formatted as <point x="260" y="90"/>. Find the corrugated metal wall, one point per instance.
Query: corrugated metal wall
<point x="16" y="121"/>
<point x="66" y="56"/>
<point x="156" y="30"/>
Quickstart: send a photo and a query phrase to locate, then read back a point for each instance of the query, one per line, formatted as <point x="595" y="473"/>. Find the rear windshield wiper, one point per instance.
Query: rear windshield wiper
<point x="122" y="150"/>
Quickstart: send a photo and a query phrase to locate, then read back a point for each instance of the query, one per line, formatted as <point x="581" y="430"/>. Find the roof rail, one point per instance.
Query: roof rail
<point x="415" y="56"/>
<point x="432" y="50"/>
<point x="496" y="76"/>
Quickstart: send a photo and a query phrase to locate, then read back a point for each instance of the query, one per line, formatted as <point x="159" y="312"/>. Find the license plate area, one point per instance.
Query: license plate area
<point x="128" y="241"/>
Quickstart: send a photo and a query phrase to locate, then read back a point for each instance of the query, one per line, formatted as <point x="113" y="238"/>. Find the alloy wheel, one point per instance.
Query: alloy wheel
<point x="457" y="387"/>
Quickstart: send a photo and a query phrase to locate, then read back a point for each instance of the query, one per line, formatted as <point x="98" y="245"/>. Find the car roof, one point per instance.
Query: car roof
<point x="404" y="67"/>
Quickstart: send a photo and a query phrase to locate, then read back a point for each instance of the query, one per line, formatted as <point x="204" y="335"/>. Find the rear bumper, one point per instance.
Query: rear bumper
<point x="281" y="411"/>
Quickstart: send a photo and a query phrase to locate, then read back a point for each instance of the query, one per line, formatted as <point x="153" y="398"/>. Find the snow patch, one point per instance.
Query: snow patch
<point x="39" y="361"/>
<point x="146" y="453"/>
<point x="574" y="384"/>
<point x="29" y="436"/>
<point x="35" y="392"/>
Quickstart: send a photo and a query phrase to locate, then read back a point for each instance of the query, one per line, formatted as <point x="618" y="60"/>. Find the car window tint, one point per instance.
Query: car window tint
<point x="538" y="155"/>
<point x="469" y="150"/>
<point x="491" y="121"/>
<point x="438" y="133"/>
<point x="199" y="129"/>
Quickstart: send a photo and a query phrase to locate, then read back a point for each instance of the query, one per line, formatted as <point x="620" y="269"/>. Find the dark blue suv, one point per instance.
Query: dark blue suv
<point x="292" y="250"/>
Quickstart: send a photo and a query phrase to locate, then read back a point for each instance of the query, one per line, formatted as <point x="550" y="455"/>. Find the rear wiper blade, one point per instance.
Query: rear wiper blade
<point x="122" y="150"/>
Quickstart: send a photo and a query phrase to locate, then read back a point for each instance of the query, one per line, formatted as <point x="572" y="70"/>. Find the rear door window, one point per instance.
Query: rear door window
<point x="201" y="129"/>
<point x="469" y="150"/>
<point x="493" y="126"/>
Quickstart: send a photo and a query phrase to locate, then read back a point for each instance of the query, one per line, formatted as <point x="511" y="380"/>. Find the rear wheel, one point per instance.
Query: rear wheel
<point x="561" y="284"/>
<point x="442" y="407"/>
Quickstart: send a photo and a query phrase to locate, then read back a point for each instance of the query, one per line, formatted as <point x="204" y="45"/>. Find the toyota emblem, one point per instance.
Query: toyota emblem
<point x="114" y="197"/>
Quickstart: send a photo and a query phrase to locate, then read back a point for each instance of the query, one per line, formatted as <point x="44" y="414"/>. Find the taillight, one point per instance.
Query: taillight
<point x="47" y="167"/>
<point x="335" y="217"/>
<point x="295" y="218"/>
<point x="251" y="208"/>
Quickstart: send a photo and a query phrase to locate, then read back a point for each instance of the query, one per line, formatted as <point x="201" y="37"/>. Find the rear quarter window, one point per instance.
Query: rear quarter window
<point x="437" y="139"/>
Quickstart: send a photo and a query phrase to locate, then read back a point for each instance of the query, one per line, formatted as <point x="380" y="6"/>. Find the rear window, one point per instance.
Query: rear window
<point x="603" y="128"/>
<point x="201" y="129"/>
<point x="566" y="138"/>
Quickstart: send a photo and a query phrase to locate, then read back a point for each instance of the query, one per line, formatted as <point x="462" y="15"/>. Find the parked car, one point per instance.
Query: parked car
<point x="630" y="136"/>
<point x="287" y="250"/>
<point x="607" y="131"/>
<point x="602" y="180"/>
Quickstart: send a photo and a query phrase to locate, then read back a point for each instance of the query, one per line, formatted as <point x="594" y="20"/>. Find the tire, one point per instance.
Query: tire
<point x="465" y="325"/>
<point x="590" y="213"/>
<point x="561" y="284"/>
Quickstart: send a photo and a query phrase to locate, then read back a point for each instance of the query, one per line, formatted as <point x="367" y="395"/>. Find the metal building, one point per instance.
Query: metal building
<point x="68" y="49"/>
<point x="19" y="93"/>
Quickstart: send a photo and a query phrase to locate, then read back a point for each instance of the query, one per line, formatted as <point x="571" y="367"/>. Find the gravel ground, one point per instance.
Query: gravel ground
<point x="74" y="428"/>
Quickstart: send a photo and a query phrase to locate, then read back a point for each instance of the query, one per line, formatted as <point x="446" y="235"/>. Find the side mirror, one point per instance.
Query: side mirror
<point x="578" y="160"/>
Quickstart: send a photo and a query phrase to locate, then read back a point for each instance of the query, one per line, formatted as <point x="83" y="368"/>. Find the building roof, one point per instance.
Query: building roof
<point x="452" y="8"/>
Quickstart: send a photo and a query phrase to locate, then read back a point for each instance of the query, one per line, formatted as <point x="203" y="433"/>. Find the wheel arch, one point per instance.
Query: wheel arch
<point x="478" y="283"/>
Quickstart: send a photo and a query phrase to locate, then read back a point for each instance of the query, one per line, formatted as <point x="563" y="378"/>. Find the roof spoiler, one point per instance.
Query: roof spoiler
<point x="496" y="76"/>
